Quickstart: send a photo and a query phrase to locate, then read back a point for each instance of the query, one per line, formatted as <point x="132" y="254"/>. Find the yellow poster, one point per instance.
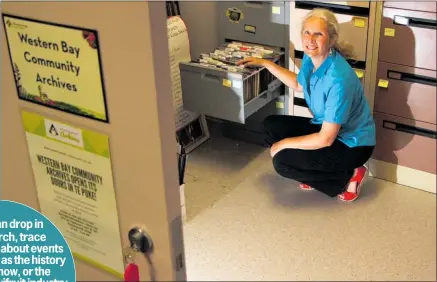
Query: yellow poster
<point x="57" y="66"/>
<point x="73" y="178"/>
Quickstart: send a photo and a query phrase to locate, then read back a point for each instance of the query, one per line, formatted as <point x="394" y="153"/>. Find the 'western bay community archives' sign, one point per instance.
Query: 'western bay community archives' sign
<point x="57" y="66"/>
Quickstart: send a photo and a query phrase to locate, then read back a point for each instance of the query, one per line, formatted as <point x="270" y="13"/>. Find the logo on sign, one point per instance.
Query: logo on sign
<point x="64" y="133"/>
<point x="53" y="130"/>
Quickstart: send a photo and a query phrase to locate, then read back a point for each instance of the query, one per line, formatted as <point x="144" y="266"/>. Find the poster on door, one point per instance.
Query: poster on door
<point x="73" y="177"/>
<point x="191" y="128"/>
<point x="57" y="66"/>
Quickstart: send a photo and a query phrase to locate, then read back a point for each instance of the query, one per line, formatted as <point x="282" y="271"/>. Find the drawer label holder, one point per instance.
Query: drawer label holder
<point x="250" y="28"/>
<point x="383" y="83"/>
<point x="389" y="32"/>
<point x="227" y="82"/>
<point x="276" y="10"/>
<point x="359" y="73"/>
<point x="359" y="22"/>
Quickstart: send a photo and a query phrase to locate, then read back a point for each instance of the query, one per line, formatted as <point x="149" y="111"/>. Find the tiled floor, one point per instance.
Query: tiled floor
<point x="217" y="167"/>
<point x="250" y="224"/>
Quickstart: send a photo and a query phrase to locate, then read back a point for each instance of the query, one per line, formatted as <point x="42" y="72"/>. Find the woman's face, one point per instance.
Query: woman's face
<point x="315" y="38"/>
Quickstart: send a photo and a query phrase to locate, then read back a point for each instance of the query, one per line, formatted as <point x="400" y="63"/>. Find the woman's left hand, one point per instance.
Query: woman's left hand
<point x="252" y="61"/>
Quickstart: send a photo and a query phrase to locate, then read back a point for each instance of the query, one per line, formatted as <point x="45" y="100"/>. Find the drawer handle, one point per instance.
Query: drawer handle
<point x="254" y="4"/>
<point x="298" y="54"/>
<point x="413" y="78"/>
<point x="300" y="102"/>
<point x="210" y="77"/>
<point x="264" y="95"/>
<point x="335" y="8"/>
<point x="414" y="22"/>
<point x="409" y="129"/>
<point x="173" y="8"/>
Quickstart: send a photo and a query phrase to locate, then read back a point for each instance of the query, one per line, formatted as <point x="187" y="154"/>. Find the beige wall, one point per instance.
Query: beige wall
<point x="142" y="144"/>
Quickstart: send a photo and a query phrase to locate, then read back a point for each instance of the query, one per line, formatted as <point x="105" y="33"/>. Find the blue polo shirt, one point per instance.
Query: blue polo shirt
<point x="334" y="94"/>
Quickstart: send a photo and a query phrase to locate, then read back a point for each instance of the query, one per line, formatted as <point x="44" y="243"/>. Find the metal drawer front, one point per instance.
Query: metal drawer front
<point x="260" y="22"/>
<point x="405" y="142"/>
<point x="413" y="5"/>
<point x="407" y="92"/>
<point x="408" y="38"/>
<point x="221" y="94"/>
<point x="354" y="27"/>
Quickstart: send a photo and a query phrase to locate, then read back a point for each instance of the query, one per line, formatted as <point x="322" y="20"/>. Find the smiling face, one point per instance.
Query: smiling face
<point x="315" y="38"/>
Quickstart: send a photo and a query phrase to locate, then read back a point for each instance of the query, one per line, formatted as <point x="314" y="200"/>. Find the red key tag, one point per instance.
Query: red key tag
<point x="132" y="273"/>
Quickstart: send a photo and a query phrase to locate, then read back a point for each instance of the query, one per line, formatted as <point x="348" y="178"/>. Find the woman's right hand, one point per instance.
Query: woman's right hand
<point x="252" y="61"/>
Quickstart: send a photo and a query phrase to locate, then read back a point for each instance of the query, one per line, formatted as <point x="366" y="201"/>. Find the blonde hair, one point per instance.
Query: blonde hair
<point x="344" y="48"/>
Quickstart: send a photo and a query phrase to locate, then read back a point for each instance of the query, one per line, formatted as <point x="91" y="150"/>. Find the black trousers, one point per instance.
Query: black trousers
<point x="327" y="169"/>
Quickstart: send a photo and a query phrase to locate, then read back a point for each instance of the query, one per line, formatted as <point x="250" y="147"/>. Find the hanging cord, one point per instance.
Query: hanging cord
<point x="182" y="161"/>
<point x="173" y="8"/>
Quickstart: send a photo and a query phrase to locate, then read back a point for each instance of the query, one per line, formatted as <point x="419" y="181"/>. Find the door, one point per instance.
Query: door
<point x="140" y="130"/>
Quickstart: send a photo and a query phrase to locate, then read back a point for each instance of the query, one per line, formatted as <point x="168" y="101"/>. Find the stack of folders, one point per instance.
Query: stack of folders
<point x="227" y="56"/>
<point x="257" y="83"/>
<point x="255" y="79"/>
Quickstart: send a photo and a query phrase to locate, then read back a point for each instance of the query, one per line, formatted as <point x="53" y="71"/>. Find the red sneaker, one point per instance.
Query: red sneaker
<point x="305" y="187"/>
<point x="359" y="179"/>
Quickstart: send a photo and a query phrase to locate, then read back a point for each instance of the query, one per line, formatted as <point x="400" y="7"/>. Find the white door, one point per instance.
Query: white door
<point x="140" y="166"/>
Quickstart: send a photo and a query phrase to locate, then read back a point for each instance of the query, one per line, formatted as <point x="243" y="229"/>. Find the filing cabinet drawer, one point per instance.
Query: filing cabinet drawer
<point x="413" y="5"/>
<point x="259" y="22"/>
<point x="407" y="92"/>
<point x="215" y="85"/>
<point x="408" y="38"/>
<point x="405" y="142"/>
<point x="354" y="28"/>
<point x="221" y="94"/>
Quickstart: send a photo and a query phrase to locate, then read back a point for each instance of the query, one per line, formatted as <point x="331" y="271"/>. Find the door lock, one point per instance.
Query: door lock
<point x="140" y="240"/>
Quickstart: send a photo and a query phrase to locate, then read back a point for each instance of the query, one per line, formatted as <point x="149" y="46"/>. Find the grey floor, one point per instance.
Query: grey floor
<point x="247" y="223"/>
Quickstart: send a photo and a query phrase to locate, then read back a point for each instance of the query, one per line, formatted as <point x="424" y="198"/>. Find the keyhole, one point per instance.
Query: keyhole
<point x="140" y="240"/>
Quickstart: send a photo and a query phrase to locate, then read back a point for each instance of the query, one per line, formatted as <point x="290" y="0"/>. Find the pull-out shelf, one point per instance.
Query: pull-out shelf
<point x="227" y="95"/>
